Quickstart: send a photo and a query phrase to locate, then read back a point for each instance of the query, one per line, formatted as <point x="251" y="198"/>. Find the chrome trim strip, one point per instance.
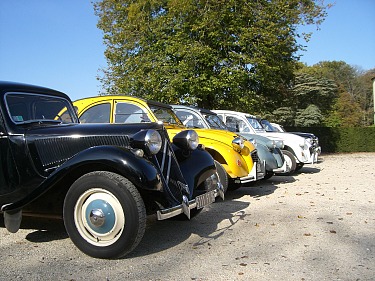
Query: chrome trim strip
<point x="163" y="160"/>
<point x="169" y="166"/>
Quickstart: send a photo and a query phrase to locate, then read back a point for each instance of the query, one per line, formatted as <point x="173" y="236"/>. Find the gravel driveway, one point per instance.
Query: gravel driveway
<point x="316" y="225"/>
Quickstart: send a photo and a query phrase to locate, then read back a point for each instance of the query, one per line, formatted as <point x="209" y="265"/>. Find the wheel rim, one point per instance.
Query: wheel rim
<point x="99" y="217"/>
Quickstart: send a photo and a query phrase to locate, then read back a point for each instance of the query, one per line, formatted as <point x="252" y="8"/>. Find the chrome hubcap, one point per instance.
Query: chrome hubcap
<point x="97" y="217"/>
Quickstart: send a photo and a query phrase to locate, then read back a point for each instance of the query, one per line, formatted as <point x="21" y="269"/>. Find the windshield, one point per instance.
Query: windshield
<point x="255" y="124"/>
<point x="29" y="108"/>
<point x="215" y="122"/>
<point x="267" y="126"/>
<point x="166" y="115"/>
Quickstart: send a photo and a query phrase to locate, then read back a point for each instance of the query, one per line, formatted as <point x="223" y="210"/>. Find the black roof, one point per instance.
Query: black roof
<point x="202" y="110"/>
<point x="7" y="86"/>
<point x="159" y="104"/>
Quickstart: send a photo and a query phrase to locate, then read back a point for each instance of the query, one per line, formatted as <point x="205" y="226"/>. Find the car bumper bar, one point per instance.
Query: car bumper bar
<point x="187" y="205"/>
<point x="257" y="172"/>
<point x="283" y="169"/>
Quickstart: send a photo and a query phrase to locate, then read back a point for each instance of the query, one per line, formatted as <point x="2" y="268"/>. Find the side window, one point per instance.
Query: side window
<point x="267" y="126"/>
<point x="19" y="111"/>
<point x="239" y="125"/>
<point x="130" y="113"/>
<point x="189" y="119"/>
<point x="97" y="114"/>
<point x="25" y="107"/>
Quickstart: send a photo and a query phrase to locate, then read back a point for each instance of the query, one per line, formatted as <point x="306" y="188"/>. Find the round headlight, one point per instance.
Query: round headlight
<point x="279" y="144"/>
<point x="193" y="139"/>
<point x="187" y="139"/>
<point x="238" y="144"/>
<point x="153" y="141"/>
<point x="148" y="140"/>
<point x="271" y="144"/>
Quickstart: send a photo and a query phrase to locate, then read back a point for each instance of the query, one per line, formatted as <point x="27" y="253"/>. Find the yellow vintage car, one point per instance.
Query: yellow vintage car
<point x="236" y="159"/>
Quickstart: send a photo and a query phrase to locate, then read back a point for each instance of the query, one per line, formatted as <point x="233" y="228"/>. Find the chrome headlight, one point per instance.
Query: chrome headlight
<point x="238" y="144"/>
<point x="187" y="139"/>
<point x="148" y="140"/>
<point x="309" y="141"/>
<point x="279" y="144"/>
<point x="271" y="144"/>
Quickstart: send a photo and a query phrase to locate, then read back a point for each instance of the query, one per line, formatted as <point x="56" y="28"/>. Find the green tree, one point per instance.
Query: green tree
<point x="309" y="99"/>
<point x="283" y="115"/>
<point x="309" y="117"/>
<point x="313" y="90"/>
<point x="346" y="113"/>
<point x="349" y="80"/>
<point x="235" y="54"/>
<point x="365" y="97"/>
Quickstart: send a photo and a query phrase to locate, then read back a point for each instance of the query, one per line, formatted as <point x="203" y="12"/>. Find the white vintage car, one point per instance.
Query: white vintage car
<point x="274" y="127"/>
<point x="297" y="150"/>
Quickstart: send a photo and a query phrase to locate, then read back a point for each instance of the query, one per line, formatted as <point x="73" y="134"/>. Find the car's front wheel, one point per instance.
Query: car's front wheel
<point x="104" y="215"/>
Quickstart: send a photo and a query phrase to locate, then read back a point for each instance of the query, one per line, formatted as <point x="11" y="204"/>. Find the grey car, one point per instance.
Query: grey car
<point x="269" y="151"/>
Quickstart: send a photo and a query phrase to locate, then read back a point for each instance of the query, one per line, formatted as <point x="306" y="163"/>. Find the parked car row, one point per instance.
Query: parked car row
<point x="102" y="164"/>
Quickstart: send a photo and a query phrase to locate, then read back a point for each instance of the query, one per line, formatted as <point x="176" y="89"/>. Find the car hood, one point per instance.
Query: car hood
<point x="211" y="136"/>
<point x="286" y="137"/>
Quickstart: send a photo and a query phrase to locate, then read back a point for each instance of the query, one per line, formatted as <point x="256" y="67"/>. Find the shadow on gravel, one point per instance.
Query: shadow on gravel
<point x="163" y="235"/>
<point x="159" y="235"/>
<point x="46" y="230"/>
<point x="308" y="170"/>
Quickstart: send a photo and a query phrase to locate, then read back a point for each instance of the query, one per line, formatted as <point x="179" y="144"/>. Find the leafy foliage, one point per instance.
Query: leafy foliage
<point x="234" y="54"/>
<point x="309" y="117"/>
<point x="308" y="100"/>
<point x="342" y="93"/>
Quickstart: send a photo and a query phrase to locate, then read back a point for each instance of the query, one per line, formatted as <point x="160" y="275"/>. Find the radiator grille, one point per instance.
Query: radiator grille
<point x="254" y="156"/>
<point x="55" y="151"/>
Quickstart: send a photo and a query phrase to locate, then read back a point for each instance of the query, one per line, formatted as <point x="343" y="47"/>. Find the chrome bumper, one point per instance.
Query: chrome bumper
<point x="283" y="169"/>
<point x="257" y="172"/>
<point x="311" y="157"/>
<point x="186" y="205"/>
<point x="314" y="155"/>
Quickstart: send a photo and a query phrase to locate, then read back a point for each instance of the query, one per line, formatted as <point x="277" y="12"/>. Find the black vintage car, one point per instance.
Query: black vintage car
<point x="101" y="179"/>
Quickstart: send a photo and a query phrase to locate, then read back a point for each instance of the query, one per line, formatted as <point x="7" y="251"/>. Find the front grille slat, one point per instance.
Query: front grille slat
<point x="55" y="151"/>
<point x="254" y="156"/>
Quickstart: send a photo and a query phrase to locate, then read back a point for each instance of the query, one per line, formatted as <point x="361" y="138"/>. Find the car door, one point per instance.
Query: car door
<point x="129" y="112"/>
<point x="98" y="113"/>
<point x="9" y="176"/>
<point x="236" y="122"/>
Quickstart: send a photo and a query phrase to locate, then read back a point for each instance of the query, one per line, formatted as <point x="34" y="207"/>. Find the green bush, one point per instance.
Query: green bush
<point x="358" y="139"/>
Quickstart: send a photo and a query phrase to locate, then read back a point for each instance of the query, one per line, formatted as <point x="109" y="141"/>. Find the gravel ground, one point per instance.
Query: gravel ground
<point x="317" y="225"/>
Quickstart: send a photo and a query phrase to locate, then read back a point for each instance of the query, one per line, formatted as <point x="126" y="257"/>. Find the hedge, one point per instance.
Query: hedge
<point x="358" y="139"/>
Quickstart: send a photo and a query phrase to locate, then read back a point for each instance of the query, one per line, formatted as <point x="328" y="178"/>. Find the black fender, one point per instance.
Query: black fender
<point x="196" y="168"/>
<point x="141" y="172"/>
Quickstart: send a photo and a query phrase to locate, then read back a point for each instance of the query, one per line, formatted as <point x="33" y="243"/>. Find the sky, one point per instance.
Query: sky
<point x="56" y="43"/>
